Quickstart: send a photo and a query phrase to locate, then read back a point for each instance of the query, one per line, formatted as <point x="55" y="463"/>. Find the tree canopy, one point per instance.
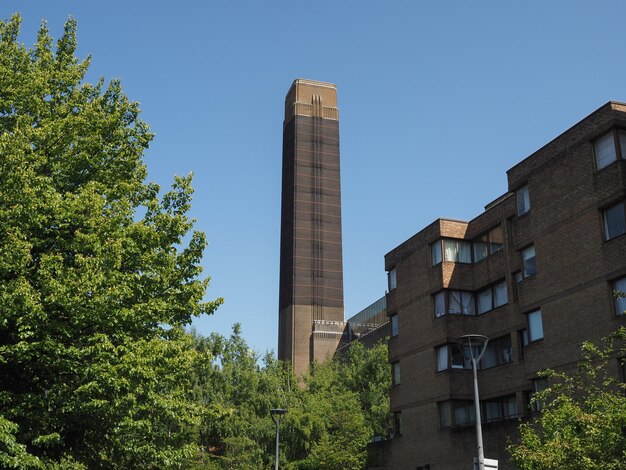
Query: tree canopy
<point x="331" y="415"/>
<point x="98" y="272"/>
<point x="583" y="416"/>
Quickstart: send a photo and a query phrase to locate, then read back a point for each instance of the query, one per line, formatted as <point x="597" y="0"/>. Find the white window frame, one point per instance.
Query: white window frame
<point x="535" y="325"/>
<point x="522" y="200"/>
<point x="525" y="257"/>
<point x="392" y="279"/>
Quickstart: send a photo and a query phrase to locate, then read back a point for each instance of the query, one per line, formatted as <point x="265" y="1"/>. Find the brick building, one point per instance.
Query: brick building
<point x="535" y="272"/>
<point x="311" y="269"/>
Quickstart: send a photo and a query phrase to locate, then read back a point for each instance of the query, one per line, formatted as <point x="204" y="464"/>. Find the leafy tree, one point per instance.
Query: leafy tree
<point x="98" y="274"/>
<point x="367" y="373"/>
<point x="332" y="414"/>
<point x="583" y="416"/>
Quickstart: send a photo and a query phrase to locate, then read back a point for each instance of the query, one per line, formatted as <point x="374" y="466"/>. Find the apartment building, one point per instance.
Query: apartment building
<point x="535" y="273"/>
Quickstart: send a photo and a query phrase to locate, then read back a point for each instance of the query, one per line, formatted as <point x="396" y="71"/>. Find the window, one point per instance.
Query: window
<point x="608" y="147"/>
<point x="498" y="352"/>
<point x="460" y="413"/>
<point x="492" y="297"/>
<point x="393" y="320"/>
<point x="435" y="252"/>
<point x="442" y="358"/>
<point x="454" y="302"/>
<point x="614" y="221"/>
<point x="528" y="261"/>
<point x="535" y="326"/>
<point x="488" y="244"/>
<point x="523" y="200"/>
<point x="391" y="279"/>
<point x="499" y="409"/>
<point x="456" y="413"/>
<point x="619" y="290"/>
<point x="451" y="356"/>
<point x="397" y="424"/>
<point x="539" y="385"/>
<point x="458" y="251"/>
<point x="395" y="376"/>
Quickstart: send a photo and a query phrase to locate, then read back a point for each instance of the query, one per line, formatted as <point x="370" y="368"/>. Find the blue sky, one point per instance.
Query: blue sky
<point x="437" y="100"/>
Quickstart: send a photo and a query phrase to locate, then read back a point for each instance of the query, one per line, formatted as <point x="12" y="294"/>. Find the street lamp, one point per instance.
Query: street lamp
<point x="471" y="342"/>
<point x="277" y="416"/>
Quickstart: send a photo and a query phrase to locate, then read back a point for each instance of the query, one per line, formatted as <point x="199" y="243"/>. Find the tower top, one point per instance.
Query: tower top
<point x="311" y="98"/>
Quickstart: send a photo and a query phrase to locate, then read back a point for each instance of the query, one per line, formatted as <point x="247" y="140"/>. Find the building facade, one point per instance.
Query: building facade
<point x="535" y="272"/>
<point x="311" y="269"/>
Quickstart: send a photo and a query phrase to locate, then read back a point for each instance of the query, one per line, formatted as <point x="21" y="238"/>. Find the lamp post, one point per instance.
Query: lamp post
<point x="277" y="416"/>
<point x="474" y="341"/>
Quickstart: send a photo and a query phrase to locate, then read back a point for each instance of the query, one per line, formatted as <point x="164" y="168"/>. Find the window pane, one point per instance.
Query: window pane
<point x="622" y="143"/>
<point x="442" y="358"/>
<point x="454" y="301"/>
<point x="444" y="414"/>
<point x="605" y="150"/>
<point x="461" y="414"/>
<point x="480" y="250"/>
<point x="510" y="407"/>
<point x="535" y="326"/>
<point x="490" y="357"/>
<point x="496" y="239"/>
<point x="505" y="352"/>
<point x="397" y="423"/>
<point x="396" y="373"/>
<point x="451" y="250"/>
<point x="528" y="257"/>
<point x="523" y="200"/>
<point x="620" y="302"/>
<point x="394" y="324"/>
<point x="500" y="296"/>
<point x="493" y="411"/>
<point x="484" y="301"/>
<point x="524" y="334"/>
<point x="440" y="304"/>
<point x="465" y="252"/>
<point x="614" y="221"/>
<point x="391" y="276"/>
<point x="458" y="358"/>
<point x="467" y="299"/>
<point x="436" y="252"/>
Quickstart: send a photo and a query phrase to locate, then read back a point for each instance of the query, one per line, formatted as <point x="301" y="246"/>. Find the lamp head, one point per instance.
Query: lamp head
<point x="474" y="341"/>
<point x="277" y="414"/>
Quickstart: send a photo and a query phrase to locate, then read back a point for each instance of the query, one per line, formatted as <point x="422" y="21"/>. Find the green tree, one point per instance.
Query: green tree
<point x="367" y="373"/>
<point x="98" y="274"/>
<point x="583" y="416"/>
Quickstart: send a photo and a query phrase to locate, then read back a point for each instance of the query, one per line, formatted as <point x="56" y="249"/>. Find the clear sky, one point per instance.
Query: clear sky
<point x="437" y="100"/>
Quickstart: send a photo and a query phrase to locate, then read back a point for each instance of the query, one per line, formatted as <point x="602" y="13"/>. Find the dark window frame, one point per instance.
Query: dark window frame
<point x="620" y="152"/>
<point x="392" y="317"/>
<point x="618" y="300"/>
<point x="491" y="288"/>
<point x="605" y="223"/>
<point x="395" y="380"/>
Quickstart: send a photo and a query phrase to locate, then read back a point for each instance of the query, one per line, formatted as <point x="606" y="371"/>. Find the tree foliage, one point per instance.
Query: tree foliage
<point x="331" y="414"/>
<point x="583" y="416"/>
<point x="98" y="274"/>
